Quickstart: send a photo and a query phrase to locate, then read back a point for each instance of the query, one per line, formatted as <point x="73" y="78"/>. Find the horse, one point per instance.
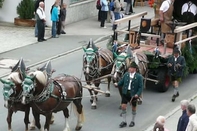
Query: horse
<point x="12" y="92"/>
<point x="53" y="95"/>
<point x="97" y="63"/>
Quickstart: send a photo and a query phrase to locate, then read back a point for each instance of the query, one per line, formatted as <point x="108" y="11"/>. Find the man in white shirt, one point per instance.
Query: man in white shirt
<point x="189" y="10"/>
<point x="41" y="19"/>
<point x="192" y="124"/>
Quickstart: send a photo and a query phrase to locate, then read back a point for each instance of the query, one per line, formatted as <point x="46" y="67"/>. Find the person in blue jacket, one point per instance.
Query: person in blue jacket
<point x="132" y="86"/>
<point x="184" y="118"/>
<point x="54" y="19"/>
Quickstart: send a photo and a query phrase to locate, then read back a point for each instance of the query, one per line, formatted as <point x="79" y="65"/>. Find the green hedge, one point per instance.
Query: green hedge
<point x="25" y="9"/>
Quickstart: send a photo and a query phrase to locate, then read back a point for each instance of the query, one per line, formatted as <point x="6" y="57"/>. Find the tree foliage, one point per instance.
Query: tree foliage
<point x="1" y="3"/>
<point x="190" y="54"/>
<point x="25" y="9"/>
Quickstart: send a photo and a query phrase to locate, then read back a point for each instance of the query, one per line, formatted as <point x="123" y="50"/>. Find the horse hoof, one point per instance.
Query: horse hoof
<point x="107" y="95"/>
<point x="93" y="107"/>
<point x="31" y="127"/>
<point x="52" y="121"/>
<point x="78" y="128"/>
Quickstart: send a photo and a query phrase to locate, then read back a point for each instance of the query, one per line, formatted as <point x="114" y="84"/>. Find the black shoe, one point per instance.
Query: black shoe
<point x="44" y="40"/>
<point x="123" y="124"/>
<point x="40" y="40"/>
<point x="132" y="124"/>
<point x="173" y="98"/>
<point x="177" y="94"/>
<point x="63" y="32"/>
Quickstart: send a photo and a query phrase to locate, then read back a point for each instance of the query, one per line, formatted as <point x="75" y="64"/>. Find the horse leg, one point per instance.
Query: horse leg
<point x="95" y="98"/>
<point x="47" y="121"/>
<point x="66" y="115"/>
<point x="107" y="93"/>
<point x="80" y="115"/>
<point x="26" y="119"/>
<point x="91" y="94"/>
<point x="36" y="119"/>
<point x="9" y="119"/>
<point x="52" y="119"/>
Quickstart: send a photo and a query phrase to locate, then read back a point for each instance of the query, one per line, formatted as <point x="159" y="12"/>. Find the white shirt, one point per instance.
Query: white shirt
<point x="192" y="8"/>
<point x="165" y="5"/>
<point x="192" y="124"/>
<point x="131" y="77"/>
<point x="41" y="13"/>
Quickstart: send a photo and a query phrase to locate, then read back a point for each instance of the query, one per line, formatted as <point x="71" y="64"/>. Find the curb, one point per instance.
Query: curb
<point x="171" y="113"/>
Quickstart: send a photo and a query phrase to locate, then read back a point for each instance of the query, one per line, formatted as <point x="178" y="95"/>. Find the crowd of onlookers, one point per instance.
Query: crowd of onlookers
<point x="186" y="122"/>
<point x="58" y="17"/>
<point x="116" y="9"/>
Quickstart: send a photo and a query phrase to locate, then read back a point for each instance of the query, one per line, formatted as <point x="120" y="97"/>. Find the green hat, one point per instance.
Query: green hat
<point x="176" y="50"/>
<point x="133" y="65"/>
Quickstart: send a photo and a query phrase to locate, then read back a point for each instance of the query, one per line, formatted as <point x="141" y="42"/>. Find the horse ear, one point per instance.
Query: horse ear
<point x="3" y="81"/>
<point x="115" y="55"/>
<point x="84" y="49"/>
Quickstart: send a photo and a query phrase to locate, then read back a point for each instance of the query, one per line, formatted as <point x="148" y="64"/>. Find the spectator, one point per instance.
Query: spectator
<point x="104" y="10"/>
<point x="117" y="9"/>
<point x="40" y="20"/>
<point x="35" y="9"/>
<point x="111" y="8"/>
<point x="183" y="120"/>
<point x="159" y="125"/>
<point x="63" y="18"/>
<point x="54" y="19"/>
<point x="192" y="124"/>
<point x="128" y="4"/>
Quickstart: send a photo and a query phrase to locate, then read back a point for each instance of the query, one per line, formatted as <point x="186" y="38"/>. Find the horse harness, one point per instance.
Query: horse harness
<point x="48" y="92"/>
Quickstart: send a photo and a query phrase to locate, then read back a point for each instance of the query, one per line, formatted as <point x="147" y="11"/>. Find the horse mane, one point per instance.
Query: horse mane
<point x="15" y="77"/>
<point x="136" y="58"/>
<point x="40" y="76"/>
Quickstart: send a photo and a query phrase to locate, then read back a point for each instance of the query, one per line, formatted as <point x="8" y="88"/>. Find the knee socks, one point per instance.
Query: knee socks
<point x="124" y="114"/>
<point x="133" y="115"/>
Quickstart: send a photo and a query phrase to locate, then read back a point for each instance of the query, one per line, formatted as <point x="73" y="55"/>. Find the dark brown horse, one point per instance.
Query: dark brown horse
<point x="12" y="92"/>
<point x="53" y="95"/>
<point x="97" y="63"/>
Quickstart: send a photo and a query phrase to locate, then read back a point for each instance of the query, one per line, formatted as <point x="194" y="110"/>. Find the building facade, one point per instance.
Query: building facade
<point x="76" y="10"/>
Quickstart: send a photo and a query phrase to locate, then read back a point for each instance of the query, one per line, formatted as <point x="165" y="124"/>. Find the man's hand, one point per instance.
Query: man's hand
<point x="169" y="64"/>
<point x="136" y="96"/>
<point x="116" y="84"/>
<point x="161" y="19"/>
<point x="178" y="65"/>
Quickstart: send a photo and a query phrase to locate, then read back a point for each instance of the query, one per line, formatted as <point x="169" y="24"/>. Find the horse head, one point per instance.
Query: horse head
<point x="90" y="60"/>
<point x="120" y="66"/>
<point x="32" y="85"/>
<point x="11" y="87"/>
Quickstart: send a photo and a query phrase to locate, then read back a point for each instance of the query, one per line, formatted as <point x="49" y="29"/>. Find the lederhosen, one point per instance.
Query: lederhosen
<point x="126" y="98"/>
<point x="167" y="17"/>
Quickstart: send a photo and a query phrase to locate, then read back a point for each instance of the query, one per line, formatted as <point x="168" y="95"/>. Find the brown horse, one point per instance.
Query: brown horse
<point x="12" y="92"/>
<point x="97" y="63"/>
<point x="53" y="95"/>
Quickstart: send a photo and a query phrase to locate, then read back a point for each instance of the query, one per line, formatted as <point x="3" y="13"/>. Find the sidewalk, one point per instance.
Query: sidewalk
<point x="13" y="37"/>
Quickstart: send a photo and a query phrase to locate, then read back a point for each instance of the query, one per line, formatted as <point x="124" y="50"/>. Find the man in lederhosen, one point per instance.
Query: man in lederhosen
<point x="176" y="65"/>
<point x="165" y="12"/>
<point x="132" y="86"/>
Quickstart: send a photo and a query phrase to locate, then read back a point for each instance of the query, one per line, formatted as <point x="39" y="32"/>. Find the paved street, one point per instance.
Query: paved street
<point x="106" y="116"/>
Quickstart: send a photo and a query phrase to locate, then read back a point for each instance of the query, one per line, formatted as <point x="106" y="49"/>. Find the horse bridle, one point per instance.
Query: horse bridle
<point x="94" y="67"/>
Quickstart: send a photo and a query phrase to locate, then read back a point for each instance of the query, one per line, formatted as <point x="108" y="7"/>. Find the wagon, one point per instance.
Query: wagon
<point x="145" y="38"/>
